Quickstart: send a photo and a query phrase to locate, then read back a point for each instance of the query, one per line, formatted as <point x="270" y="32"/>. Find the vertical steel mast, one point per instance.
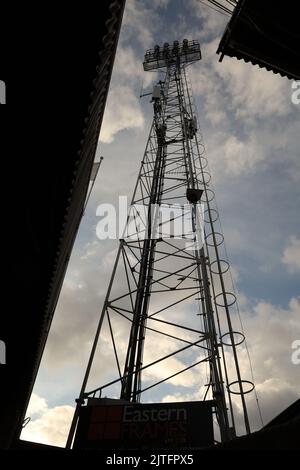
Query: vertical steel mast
<point x="169" y="279"/>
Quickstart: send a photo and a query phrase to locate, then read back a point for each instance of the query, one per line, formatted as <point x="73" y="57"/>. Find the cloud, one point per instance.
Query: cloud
<point x="212" y="22"/>
<point x="291" y="255"/>
<point x="122" y="112"/>
<point x="178" y="397"/>
<point x="37" y="405"/>
<point x="51" y="426"/>
<point x="137" y="22"/>
<point x="170" y="366"/>
<point x="160" y="3"/>
<point x="245" y="90"/>
<point x="270" y="332"/>
<point x="236" y="155"/>
<point x="253" y="91"/>
<point x="241" y="156"/>
<point x="129" y="68"/>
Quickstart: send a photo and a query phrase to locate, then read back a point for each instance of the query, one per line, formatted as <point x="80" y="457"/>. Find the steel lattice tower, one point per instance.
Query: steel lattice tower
<point x="172" y="284"/>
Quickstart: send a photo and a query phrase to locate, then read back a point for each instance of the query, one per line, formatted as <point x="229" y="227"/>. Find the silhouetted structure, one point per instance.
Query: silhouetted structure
<point x="59" y="82"/>
<point x="265" y="33"/>
<point x="170" y="257"/>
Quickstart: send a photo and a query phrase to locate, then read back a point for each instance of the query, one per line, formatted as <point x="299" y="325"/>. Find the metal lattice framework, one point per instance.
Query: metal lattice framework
<point x="171" y="286"/>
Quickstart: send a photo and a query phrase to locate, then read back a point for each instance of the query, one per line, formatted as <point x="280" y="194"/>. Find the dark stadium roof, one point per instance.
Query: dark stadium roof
<point x="60" y="75"/>
<point x="265" y="33"/>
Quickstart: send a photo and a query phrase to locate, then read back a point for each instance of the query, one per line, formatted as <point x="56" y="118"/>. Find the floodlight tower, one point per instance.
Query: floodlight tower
<point x="169" y="279"/>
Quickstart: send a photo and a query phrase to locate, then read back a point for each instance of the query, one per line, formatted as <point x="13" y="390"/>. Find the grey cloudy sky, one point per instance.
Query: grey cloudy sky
<point x="251" y="130"/>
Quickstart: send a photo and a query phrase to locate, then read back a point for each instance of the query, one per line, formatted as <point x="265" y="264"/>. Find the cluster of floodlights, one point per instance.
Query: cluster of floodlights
<point x="185" y="52"/>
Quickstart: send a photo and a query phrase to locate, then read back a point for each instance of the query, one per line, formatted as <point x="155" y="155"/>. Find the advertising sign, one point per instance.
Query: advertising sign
<point x="145" y="426"/>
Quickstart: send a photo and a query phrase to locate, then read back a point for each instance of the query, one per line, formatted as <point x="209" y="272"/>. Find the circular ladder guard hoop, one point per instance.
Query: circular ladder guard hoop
<point x="224" y="269"/>
<point x="236" y="343"/>
<point x="218" y="236"/>
<point x="228" y="302"/>
<point x="214" y="215"/>
<point x="204" y="177"/>
<point x="208" y="195"/>
<point x="203" y="164"/>
<point x="246" y="382"/>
